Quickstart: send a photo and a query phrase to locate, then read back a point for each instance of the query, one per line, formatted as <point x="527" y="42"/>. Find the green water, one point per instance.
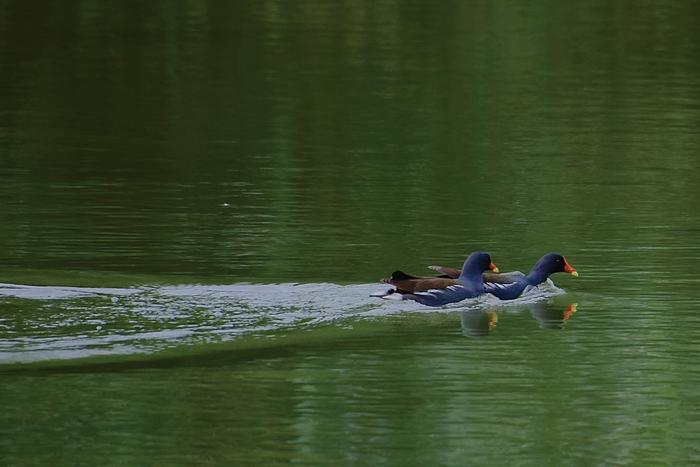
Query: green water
<point x="169" y="171"/>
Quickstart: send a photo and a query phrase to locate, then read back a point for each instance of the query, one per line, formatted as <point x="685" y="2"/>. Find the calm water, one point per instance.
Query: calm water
<point x="197" y="198"/>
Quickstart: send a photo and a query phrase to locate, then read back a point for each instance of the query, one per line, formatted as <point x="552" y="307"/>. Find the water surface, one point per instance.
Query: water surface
<point x="197" y="199"/>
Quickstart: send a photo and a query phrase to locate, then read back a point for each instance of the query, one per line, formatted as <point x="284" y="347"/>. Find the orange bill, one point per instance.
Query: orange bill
<point x="569" y="268"/>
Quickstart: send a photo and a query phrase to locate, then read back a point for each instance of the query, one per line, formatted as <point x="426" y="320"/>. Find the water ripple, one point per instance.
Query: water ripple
<point x="74" y="322"/>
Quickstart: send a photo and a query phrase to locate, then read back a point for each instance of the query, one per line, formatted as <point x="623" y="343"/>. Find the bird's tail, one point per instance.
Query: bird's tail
<point x="390" y="294"/>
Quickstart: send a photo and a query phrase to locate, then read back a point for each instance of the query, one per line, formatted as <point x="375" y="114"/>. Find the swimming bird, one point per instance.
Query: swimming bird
<point x="438" y="291"/>
<point x="511" y="285"/>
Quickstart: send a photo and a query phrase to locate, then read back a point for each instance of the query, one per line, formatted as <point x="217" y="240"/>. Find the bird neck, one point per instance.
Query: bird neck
<point x="538" y="274"/>
<point x="469" y="270"/>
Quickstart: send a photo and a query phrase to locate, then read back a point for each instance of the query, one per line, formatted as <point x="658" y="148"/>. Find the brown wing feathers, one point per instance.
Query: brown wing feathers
<point x="406" y="283"/>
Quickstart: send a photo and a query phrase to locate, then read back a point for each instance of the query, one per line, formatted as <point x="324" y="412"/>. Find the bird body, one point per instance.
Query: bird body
<point x="509" y="286"/>
<point x="438" y="291"/>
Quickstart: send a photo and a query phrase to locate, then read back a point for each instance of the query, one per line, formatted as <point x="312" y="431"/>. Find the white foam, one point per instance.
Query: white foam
<point x="73" y="322"/>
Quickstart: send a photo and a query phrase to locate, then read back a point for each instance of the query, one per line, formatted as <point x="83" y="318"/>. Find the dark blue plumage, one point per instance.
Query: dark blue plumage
<point x="546" y="266"/>
<point x="469" y="284"/>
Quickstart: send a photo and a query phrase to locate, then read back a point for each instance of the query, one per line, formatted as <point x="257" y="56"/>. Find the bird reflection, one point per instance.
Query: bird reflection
<point x="548" y="317"/>
<point x="477" y="323"/>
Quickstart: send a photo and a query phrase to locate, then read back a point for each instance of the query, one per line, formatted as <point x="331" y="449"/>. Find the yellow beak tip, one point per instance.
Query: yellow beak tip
<point x="574" y="273"/>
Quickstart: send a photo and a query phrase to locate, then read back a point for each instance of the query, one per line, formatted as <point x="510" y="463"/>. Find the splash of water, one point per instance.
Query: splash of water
<point x="77" y="322"/>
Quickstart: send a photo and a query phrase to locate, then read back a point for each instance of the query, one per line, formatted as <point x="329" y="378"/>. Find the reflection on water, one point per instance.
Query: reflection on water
<point x="549" y="318"/>
<point x="481" y="322"/>
<point x="477" y="323"/>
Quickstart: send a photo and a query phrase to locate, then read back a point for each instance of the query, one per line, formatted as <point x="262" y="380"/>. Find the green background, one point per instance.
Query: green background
<point x="155" y="145"/>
